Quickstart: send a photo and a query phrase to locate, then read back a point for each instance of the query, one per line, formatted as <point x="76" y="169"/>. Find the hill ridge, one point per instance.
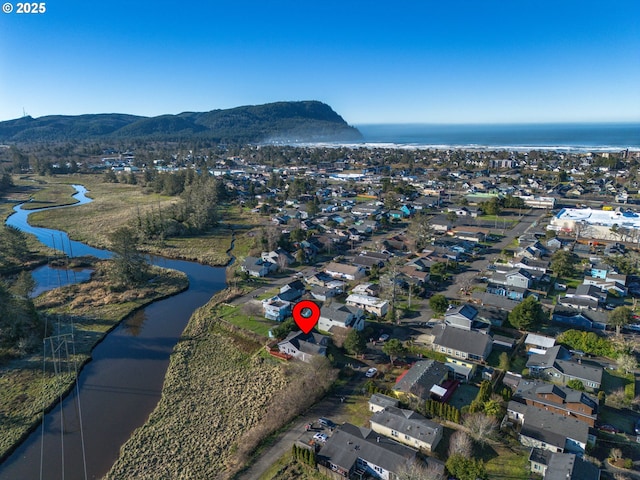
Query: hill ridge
<point x="287" y="121"/>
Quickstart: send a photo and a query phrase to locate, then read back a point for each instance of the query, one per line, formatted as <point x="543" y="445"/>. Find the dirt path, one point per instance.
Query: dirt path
<point x="330" y="407"/>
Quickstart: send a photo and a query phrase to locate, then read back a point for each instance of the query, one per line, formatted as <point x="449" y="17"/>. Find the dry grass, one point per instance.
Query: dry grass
<point x="94" y="310"/>
<point x="220" y="399"/>
<point x="216" y="389"/>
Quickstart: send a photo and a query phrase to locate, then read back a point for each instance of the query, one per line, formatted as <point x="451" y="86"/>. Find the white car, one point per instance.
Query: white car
<point x="371" y="372"/>
<point x="320" y="437"/>
<point x="384" y="337"/>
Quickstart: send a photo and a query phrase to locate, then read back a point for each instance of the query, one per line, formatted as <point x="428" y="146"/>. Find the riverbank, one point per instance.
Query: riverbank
<point x="94" y="310"/>
<point x="222" y="396"/>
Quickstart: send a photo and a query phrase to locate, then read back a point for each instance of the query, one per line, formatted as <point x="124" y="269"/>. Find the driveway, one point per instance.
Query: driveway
<point x="331" y="407"/>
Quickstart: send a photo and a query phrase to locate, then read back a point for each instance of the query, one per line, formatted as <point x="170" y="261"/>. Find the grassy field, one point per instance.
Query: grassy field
<point x="117" y="204"/>
<point x="94" y="310"/>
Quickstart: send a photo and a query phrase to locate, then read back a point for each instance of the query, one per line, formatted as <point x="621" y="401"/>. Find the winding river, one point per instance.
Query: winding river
<point x="122" y="384"/>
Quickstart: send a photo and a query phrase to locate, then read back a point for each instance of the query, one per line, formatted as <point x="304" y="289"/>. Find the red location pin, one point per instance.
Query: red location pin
<point x="306" y="314"/>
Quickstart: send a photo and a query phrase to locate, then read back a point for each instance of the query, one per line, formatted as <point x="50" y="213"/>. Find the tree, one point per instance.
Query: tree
<point x="355" y="343"/>
<point x="527" y="313"/>
<point x="417" y="470"/>
<point x="563" y="263"/>
<point x="129" y="266"/>
<point x="438" y="270"/>
<point x="481" y="427"/>
<point x="627" y="363"/>
<point x="464" y="468"/>
<point x="460" y="444"/>
<point x="576" y="384"/>
<point x="393" y="348"/>
<point x="421" y="231"/>
<point x="439" y="304"/>
<point x="619" y="317"/>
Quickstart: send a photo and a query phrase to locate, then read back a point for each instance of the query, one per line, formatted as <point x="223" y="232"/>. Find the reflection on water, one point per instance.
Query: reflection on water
<point x="48" y="277"/>
<point x="133" y="324"/>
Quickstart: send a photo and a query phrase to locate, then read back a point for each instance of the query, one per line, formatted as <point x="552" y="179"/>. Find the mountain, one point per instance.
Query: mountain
<point x="290" y="122"/>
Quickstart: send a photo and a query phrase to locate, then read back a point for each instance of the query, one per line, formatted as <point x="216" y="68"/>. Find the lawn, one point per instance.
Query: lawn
<point x="463" y="395"/>
<point x="233" y="314"/>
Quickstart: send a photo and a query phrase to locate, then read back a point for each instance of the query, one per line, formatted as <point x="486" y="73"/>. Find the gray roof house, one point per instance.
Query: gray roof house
<point x="466" y="317"/>
<point x="408" y="427"/>
<point x="354" y="449"/>
<point x="379" y="401"/>
<point x="459" y="343"/>
<point x="561" y="466"/>
<point x="558" y="366"/>
<point x="549" y="430"/>
<point x="257" y="267"/>
<point x="421" y="378"/>
<point x="340" y="315"/>
<point x="304" y="346"/>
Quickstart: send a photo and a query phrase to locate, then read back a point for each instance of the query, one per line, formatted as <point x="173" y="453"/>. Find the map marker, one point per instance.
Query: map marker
<point x="306" y="314"/>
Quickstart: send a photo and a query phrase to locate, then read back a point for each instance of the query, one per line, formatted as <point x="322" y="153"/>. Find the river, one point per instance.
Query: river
<point x="122" y="384"/>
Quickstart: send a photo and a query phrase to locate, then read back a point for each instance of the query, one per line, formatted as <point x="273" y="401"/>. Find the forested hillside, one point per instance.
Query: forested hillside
<point x="274" y="122"/>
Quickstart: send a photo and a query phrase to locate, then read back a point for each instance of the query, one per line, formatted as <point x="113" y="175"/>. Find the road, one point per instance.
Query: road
<point x="473" y="273"/>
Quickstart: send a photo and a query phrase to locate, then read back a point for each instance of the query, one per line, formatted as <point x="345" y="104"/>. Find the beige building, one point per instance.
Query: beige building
<point x="408" y="427"/>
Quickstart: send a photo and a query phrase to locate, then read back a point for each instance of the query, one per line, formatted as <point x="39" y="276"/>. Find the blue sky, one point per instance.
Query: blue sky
<point x="454" y="61"/>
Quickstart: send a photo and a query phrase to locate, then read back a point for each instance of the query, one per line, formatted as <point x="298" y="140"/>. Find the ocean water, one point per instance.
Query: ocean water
<point x="550" y="136"/>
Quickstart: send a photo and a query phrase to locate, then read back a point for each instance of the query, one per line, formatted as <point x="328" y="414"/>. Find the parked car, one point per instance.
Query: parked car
<point x="608" y="428"/>
<point x="384" y="337"/>
<point x="636" y="427"/>
<point x="325" y="422"/>
<point x="320" y="437"/>
<point x="371" y="372"/>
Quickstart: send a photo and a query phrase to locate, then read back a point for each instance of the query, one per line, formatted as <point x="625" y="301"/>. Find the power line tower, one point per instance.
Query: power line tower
<point x="59" y="361"/>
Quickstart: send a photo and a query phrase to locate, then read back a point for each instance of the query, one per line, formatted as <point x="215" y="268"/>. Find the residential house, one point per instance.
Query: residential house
<point x="339" y="315"/>
<point x="360" y="451"/>
<point x="558" y="366"/>
<point x="408" y="427"/>
<point x="561" y="466"/>
<point x="292" y="291"/>
<point x="465" y="317"/>
<point x="279" y="257"/>
<point x="324" y="293"/>
<point x="374" y="305"/>
<point x="464" y="344"/>
<point x="345" y="272"/>
<point x="276" y="309"/>
<point x="585" y="297"/>
<point x="548" y="430"/>
<point x="379" y="402"/>
<point x="518" y="277"/>
<point x="372" y="289"/>
<point x="614" y="282"/>
<point x="580" y="318"/>
<point x="559" y="399"/>
<point x="420" y="379"/>
<point x="440" y="223"/>
<point x="304" y="346"/>
<point x="535" y="343"/>
<point x="257" y="267"/>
